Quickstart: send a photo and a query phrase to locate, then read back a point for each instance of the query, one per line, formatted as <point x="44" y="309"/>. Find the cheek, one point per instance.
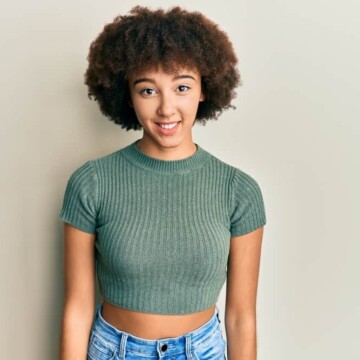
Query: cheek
<point x="144" y="109"/>
<point x="189" y="104"/>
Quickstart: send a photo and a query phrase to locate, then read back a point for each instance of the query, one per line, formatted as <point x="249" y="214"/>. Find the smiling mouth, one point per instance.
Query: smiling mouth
<point x="167" y="125"/>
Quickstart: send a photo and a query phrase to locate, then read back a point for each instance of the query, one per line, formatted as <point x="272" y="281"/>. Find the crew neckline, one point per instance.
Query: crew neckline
<point x="188" y="164"/>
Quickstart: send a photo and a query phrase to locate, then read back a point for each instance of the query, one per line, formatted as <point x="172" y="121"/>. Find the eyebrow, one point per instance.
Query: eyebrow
<point x="153" y="81"/>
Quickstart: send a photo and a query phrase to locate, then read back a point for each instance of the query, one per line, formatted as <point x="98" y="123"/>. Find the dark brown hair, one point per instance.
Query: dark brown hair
<point x="145" y="39"/>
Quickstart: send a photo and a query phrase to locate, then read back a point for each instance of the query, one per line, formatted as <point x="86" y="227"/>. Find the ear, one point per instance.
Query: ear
<point x="202" y="97"/>
<point x="129" y="102"/>
<point x="128" y="94"/>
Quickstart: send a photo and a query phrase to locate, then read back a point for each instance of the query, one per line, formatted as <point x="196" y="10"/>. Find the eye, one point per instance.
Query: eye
<point x="146" y="91"/>
<point x="184" y="87"/>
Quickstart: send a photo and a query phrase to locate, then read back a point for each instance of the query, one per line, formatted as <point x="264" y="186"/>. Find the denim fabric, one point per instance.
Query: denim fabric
<point x="204" y="343"/>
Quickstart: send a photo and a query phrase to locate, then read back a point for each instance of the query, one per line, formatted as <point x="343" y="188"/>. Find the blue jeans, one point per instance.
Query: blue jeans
<point x="108" y="343"/>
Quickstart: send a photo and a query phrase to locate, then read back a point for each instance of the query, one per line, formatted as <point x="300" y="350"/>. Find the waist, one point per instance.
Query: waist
<point x="153" y="326"/>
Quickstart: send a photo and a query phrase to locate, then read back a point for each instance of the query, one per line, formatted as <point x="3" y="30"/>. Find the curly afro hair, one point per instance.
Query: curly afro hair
<point x="146" y="39"/>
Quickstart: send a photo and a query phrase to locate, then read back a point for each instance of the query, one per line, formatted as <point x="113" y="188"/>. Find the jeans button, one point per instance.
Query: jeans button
<point x="164" y="347"/>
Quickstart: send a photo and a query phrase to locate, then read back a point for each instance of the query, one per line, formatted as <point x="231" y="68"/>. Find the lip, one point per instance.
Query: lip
<point x="168" y="131"/>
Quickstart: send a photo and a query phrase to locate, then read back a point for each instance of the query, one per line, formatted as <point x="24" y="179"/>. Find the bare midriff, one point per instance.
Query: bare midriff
<point x="154" y="326"/>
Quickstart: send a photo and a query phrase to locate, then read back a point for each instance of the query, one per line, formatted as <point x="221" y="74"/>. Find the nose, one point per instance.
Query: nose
<point x="166" y="106"/>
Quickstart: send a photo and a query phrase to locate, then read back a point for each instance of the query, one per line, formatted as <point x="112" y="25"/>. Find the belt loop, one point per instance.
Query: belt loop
<point x="189" y="355"/>
<point x="217" y="310"/>
<point x="124" y="337"/>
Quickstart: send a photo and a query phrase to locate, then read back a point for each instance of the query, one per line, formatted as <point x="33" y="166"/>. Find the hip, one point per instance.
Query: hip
<point x="207" y="342"/>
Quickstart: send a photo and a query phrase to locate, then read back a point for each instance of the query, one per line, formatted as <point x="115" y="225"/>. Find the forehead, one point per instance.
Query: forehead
<point x="160" y="72"/>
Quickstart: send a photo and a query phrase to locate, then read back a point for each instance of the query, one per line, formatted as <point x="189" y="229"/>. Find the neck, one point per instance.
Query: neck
<point x="166" y="152"/>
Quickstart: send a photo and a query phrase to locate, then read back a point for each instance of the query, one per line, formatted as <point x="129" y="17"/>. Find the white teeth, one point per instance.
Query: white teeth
<point x="168" y="126"/>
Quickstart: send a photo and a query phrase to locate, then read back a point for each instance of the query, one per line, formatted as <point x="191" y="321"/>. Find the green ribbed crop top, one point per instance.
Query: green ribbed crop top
<point x="163" y="227"/>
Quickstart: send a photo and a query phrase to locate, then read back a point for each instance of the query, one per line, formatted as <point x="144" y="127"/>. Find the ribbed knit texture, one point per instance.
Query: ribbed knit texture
<point x="163" y="227"/>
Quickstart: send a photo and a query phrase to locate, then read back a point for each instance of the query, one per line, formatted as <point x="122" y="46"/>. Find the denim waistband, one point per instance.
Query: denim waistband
<point x="153" y="347"/>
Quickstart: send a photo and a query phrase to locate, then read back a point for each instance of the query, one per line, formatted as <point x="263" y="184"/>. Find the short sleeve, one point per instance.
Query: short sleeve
<point x="79" y="207"/>
<point x="247" y="210"/>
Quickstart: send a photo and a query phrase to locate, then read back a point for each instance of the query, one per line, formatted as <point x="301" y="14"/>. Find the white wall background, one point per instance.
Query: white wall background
<point x="296" y="130"/>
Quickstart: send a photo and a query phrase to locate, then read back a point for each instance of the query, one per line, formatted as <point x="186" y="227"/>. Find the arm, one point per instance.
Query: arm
<point x="78" y="308"/>
<point x="241" y="290"/>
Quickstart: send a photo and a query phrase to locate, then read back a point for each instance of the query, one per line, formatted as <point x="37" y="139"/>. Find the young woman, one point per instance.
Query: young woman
<point x="162" y="221"/>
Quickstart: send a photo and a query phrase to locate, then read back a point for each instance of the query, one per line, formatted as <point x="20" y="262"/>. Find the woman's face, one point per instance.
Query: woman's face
<point x="162" y="99"/>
